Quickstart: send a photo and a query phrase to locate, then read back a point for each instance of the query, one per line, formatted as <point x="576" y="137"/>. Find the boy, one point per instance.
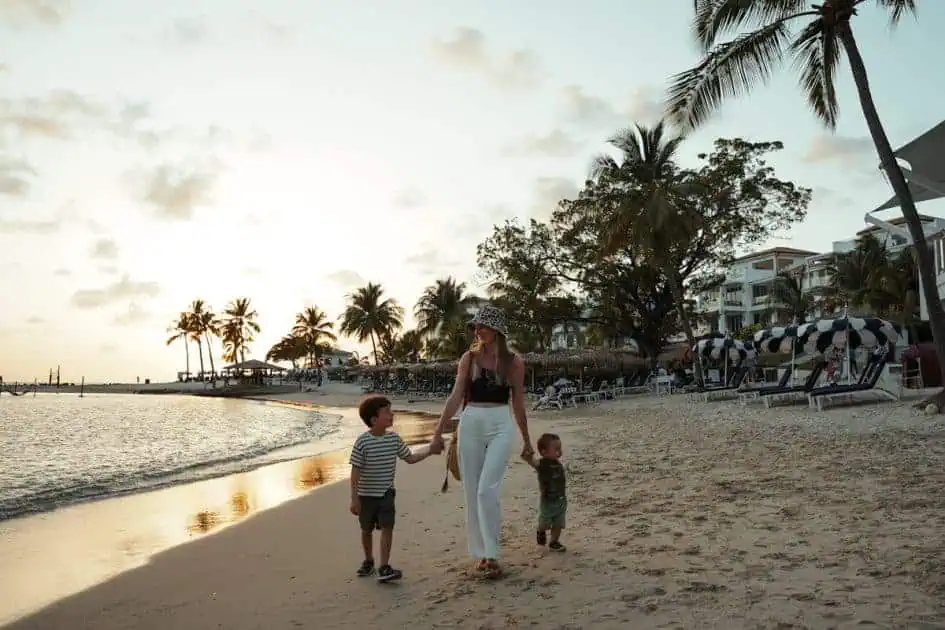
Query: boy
<point x="553" y="503"/>
<point x="373" y="464"/>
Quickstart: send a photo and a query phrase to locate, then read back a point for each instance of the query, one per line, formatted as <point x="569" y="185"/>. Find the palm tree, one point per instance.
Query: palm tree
<point x="206" y="322"/>
<point x="441" y="304"/>
<point x="199" y="315"/>
<point x="313" y="326"/>
<point x="180" y="328"/>
<point x="289" y="348"/>
<point x="734" y="67"/>
<point x="641" y="198"/>
<point x="788" y="301"/>
<point x="369" y="315"/>
<point x="239" y="329"/>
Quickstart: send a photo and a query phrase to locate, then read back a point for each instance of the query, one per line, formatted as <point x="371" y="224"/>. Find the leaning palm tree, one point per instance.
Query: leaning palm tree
<point x="442" y="304"/>
<point x="369" y="315"/>
<point x="313" y="326"/>
<point x="180" y="329"/>
<point x="240" y="327"/>
<point x="762" y="36"/>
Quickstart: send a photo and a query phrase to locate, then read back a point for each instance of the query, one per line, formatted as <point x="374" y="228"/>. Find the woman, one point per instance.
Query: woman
<point x="490" y="379"/>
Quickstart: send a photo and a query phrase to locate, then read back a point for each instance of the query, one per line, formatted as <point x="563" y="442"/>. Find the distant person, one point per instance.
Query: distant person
<point x="373" y="465"/>
<point x="552" y="497"/>
<point x="490" y="378"/>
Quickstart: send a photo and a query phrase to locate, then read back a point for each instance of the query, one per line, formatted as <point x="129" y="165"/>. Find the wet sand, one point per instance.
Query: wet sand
<point x="715" y="516"/>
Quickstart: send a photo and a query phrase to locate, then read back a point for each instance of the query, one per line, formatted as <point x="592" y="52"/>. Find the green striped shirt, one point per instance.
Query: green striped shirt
<point x="376" y="457"/>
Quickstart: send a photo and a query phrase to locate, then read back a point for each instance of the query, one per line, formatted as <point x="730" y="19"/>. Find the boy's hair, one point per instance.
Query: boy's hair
<point x="370" y="407"/>
<point x="546" y="440"/>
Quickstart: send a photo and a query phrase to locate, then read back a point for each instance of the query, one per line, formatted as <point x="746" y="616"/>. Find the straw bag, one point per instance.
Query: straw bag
<point x="452" y="454"/>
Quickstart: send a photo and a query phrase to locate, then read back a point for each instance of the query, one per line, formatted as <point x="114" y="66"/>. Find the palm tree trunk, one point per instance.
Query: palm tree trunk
<point x="374" y="347"/>
<point x="200" y="351"/>
<point x="887" y="158"/>
<point x="213" y="370"/>
<point x="187" y="354"/>
<point x="675" y="286"/>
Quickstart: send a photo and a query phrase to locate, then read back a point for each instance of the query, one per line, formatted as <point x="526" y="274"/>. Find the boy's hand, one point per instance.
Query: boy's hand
<point x="436" y="447"/>
<point x="355" y="507"/>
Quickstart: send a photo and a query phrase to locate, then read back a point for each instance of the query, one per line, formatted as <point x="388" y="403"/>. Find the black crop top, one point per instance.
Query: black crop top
<point x="485" y="388"/>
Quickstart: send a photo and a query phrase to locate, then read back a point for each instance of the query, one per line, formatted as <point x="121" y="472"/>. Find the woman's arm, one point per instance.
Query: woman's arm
<point x="456" y="396"/>
<point x="517" y="382"/>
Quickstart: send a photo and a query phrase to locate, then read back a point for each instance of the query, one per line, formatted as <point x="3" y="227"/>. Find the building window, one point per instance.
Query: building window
<point x="759" y="291"/>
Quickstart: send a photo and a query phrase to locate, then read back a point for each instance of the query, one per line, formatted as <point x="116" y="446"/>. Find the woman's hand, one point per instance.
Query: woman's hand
<point x="527" y="451"/>
<point x="437" y="444"/>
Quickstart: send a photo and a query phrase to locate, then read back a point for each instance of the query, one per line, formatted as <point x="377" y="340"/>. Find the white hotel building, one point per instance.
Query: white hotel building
<point x="742" y="299"/>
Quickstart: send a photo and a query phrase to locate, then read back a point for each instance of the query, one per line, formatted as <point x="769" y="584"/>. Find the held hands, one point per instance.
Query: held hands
<point x="436" y="446"/>
<point x="355" y="507"/>
<point x="528" y="453"/>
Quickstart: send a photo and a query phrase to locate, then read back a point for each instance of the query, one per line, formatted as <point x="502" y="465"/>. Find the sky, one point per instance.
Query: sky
<point x="154" y="153"/>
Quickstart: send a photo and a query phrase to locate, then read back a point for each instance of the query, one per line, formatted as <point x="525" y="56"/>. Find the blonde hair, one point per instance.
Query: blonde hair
<point x="503" y="357"/>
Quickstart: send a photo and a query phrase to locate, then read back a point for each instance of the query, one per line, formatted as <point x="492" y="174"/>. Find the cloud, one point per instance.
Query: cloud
<point x="62" y="272"/>
<point x="28" y="227"/>
<point x="548" y="191"/>
<point x="29" y="12"/>
<point x="122" y="290"/>
<point x="467" y="51"/>
<point x="133" y="315"/>
<point x="409" y="198"/>
<point x="430" y="261"/>
<point x="556" y="143"/>
<point x="643" y="105"/>
<point x="835" y="148"/>
<point x="35" y="321"/>
<point x="187" y="31"/>
<point x="585" y="108"/>
<point x="835" y="198"/>
<point x="176" y="192"/>
<point x="57" y="115"/>
<point x="15" y="176"/>
<point x="346" y="278"/>
<point x="105" y="248"/>
<point x="4" y="68"/>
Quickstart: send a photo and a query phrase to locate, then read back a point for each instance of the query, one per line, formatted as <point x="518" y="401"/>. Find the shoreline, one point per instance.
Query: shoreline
<point x="714" y="516"/>
<point x="199" y="508"/>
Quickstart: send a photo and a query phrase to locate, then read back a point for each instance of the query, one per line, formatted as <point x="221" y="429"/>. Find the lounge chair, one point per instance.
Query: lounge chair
<point x="772" y="395"/>
<point x="749" y="393"/>
<point x="735" y="382"/>
<point x="866" y="383"/>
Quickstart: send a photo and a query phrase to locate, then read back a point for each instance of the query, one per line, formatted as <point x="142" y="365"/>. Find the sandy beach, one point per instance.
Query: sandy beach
<point x="715" y="516"/>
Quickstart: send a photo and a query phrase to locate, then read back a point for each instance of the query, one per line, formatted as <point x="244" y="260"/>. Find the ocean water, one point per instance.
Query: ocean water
<point x="60" y="449"/>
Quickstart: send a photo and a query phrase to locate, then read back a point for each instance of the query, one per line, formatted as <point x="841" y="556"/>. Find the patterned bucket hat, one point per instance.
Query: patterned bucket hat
<point x="490" y="317"/>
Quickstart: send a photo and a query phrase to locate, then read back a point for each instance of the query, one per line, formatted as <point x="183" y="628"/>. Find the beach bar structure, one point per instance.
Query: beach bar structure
<point x="253" y="370"/>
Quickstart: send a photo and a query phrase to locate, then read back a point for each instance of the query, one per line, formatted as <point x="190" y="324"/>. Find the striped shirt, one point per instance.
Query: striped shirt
<point x="376" y="457"/>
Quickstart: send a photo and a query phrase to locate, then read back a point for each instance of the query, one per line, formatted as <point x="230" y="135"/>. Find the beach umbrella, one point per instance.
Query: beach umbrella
<point x="715" y="348"/>
<point x="779" y="339"/>
<point x="847" y="332"/>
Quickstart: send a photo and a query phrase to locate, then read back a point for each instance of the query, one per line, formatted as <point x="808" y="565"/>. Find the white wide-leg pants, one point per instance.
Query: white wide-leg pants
<point x="485" y="444"/>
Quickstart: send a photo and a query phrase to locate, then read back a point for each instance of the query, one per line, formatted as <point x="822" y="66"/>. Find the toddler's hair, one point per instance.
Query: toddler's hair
<point x="546" y="440"/>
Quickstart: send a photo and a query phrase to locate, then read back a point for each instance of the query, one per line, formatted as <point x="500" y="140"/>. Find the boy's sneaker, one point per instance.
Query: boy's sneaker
<point x="556" y="546"/>
<point x="542" y="538"/>
<point x="367" y="568"/>
<point x="387" y="574"/>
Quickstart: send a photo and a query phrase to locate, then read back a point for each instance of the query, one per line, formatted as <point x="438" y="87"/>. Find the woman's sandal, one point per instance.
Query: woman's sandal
<point x="493" y="570"/>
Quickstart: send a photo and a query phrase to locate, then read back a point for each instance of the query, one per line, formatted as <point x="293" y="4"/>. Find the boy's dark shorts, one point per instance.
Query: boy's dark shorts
<point x="377" y="512"/>
<point x="552" y="513"/>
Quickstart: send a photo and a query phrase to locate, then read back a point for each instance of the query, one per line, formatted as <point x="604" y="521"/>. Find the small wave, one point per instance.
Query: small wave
<point x="66" y="492"/>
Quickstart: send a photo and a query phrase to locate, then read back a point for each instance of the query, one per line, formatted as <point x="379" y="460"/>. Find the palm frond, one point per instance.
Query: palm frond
<point x="715" y="18"/>
<point x="817" y="55"/>
<point x="728" y="70"/>
<point x="897" y="9"/>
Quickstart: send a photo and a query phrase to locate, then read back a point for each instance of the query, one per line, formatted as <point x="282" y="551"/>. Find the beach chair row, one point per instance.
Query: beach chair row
<point x="790" y="390"/>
